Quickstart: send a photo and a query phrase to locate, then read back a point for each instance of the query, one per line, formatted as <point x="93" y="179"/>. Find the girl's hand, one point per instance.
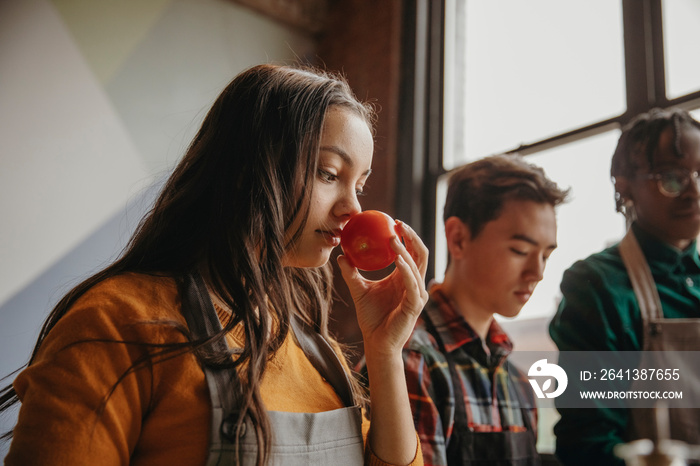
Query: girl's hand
<point x="387" y="309"/>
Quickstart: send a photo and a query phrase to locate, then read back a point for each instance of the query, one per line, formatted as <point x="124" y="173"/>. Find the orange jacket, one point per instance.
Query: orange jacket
<point x="159" y="415"/>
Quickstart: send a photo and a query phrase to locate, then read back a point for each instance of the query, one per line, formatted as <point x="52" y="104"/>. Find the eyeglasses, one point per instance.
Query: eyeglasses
<point x="673" y="182"/>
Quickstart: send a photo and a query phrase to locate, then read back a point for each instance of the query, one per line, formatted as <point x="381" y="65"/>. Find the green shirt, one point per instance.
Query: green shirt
<point x="599" y="312"/>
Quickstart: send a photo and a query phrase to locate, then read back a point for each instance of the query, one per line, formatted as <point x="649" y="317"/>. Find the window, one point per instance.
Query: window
<point x="555" y="81"/>
<point x="535" y="69"/>
<point x="681" y="23"/>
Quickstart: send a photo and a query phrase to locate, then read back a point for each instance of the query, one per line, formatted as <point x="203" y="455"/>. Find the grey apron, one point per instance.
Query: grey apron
<point x="326" y="438"/>
<point x="659" y="334"/>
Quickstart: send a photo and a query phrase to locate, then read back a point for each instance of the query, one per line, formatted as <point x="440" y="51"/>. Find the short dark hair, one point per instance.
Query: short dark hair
<point x="477" y="191"/>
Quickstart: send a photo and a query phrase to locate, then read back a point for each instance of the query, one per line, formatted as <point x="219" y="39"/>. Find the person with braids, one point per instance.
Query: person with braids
<point x="642" y="294"/>
<point x="206" y="341"/>
<point x="470" y="404"/>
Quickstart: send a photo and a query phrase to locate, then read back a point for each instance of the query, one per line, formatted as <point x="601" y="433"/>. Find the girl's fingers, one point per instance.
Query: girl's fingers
<point x="418" y="262"/>
<point x="414" y="280"/>
<point x="348" y="272"/>
<point x="411" y="285"/>
<point x="414" y="245"/>
<point x="415" y="250"/>
<point x="402" y="252"/>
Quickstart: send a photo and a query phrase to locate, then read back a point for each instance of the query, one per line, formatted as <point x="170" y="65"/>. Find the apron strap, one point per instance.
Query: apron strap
<point x="642" y="282"/>
<point x="324" y="359"/>
<point x="202" y="321"/>
<point x="525" y="406"/>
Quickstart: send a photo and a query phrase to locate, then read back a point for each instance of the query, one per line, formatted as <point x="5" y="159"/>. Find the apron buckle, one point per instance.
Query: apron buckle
<point x="228" y="428"/>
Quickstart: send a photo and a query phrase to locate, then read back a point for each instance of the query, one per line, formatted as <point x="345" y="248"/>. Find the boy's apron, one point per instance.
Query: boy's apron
<point x="326" y="438"/>
<point x="659" y="334"/>
<point x="465" y="446"/>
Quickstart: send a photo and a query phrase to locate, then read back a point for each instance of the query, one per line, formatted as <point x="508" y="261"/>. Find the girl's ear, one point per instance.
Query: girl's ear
<point x="457" y="235"/>
<point x="622" y="188"/>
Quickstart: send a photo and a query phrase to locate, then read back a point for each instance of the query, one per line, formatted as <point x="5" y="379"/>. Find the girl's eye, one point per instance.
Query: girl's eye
<point x="518" y="252"/>
<point x="326" y="176"/>
<point x="359" y="192"/>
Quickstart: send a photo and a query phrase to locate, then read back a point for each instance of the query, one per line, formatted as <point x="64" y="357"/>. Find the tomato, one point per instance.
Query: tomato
<point x="366" y="240"/>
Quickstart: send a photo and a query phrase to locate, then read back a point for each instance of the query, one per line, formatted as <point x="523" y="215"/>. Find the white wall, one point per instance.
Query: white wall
<point x="98" y="100"/>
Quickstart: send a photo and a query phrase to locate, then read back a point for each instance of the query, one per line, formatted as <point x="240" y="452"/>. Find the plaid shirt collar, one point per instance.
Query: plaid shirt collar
<point x="455" y="332"/>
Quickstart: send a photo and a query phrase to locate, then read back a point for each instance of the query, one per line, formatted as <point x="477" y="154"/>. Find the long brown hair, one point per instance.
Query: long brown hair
<point x="226" y="210"/>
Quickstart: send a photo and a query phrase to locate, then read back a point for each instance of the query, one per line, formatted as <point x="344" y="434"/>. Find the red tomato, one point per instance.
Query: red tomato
<point x="366" y="240"/>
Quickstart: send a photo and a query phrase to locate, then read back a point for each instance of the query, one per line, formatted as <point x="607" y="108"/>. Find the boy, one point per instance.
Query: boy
<point x="469" y="404"/>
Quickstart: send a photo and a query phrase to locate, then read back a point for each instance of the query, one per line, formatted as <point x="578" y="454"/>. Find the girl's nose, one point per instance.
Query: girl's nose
<point x="348" y="205"/>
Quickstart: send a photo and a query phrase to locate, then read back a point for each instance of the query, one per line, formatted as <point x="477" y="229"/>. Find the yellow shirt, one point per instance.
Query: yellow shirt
<point x="158" y="415"/>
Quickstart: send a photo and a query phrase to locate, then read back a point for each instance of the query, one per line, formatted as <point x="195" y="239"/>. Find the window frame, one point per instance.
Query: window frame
<point x="421" y="97"/>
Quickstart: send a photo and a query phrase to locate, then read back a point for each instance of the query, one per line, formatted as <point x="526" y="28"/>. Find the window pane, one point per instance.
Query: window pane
<point x="535" y="69"/>
<point x="681" y="23"/>
<point x="588" y="222"/>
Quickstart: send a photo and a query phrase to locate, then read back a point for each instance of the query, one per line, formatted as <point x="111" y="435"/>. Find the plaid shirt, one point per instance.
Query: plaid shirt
<point x="488" y="381"/>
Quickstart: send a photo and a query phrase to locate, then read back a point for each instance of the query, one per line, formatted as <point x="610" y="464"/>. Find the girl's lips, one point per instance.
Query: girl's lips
<point x="331" y="237"/>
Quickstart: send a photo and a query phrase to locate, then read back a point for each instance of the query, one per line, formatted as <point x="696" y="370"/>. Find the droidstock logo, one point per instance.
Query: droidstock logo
<point x="542" y="368"/>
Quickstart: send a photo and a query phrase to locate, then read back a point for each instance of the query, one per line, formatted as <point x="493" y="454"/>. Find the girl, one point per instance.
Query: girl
<point x="206" y="342"/>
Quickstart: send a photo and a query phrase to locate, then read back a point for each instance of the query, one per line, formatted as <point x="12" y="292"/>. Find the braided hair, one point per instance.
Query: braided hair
<point x="639" y="142"/>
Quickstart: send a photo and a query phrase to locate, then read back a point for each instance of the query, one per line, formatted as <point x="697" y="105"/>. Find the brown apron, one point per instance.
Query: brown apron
<point x="659" y="334"/>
